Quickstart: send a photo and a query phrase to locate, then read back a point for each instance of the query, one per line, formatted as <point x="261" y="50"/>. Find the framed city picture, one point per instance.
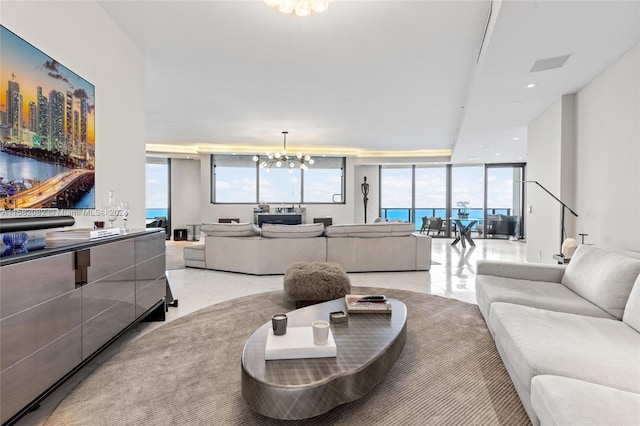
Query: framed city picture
<point x="47" y="130"/>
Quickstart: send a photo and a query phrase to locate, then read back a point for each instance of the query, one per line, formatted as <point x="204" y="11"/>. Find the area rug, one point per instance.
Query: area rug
<point x="187" y="372"/>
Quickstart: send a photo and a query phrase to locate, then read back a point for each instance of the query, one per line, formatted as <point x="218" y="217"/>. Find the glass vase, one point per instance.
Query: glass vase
<point x="111" y="209"/>
<point x="124" y="210"/>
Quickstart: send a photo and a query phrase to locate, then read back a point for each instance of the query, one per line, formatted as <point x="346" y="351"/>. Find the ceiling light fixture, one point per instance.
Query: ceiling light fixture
<point x="531" y="85"/>
<point x="281" y="158"/>
<point x="300" y="7"/>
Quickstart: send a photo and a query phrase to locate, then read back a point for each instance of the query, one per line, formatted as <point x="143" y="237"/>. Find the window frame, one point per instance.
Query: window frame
<point x="258" y="197"/>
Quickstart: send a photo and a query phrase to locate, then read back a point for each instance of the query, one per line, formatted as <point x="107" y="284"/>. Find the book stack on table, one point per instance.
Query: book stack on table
<point x="80" y="234"/>
<point x="367" y="304"/>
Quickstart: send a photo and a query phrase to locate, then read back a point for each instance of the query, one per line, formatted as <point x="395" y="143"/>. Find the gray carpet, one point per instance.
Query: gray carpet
<point x="187" y="372"/>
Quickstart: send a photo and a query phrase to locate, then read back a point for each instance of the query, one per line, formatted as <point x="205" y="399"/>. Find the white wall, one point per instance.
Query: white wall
<point x="543" y="165"/>
<point x="586" y="150"/>
<point x="82" y="37"/>
<point x="185" y="193"/>
<point x="608" y="155"/>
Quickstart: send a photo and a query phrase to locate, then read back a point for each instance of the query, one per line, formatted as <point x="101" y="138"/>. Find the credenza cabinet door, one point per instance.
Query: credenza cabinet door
<point x="151" y="284"/>
<point x="40" y="328"/>
<point x="56" y="311"/>
<point x="108" y="297"/>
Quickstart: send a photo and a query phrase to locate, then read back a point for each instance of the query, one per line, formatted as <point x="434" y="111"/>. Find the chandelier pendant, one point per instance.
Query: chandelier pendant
<point x="300" y="7"/>
<point x="282" y="158"/>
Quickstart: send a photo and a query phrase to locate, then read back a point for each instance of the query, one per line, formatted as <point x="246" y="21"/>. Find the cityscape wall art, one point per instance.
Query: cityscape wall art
<point x="47" y="130"/>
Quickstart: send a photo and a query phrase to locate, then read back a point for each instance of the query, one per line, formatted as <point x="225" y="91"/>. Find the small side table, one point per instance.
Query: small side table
<point x="193" y="227"/>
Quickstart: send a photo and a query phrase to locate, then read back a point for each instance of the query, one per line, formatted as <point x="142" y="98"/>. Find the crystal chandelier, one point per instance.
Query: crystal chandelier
<point x="281" y="158"/>
<point x="300" y="7"/>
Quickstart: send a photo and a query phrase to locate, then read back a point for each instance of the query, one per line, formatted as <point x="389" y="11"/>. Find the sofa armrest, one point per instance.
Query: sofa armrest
<point x="521" y="270"/>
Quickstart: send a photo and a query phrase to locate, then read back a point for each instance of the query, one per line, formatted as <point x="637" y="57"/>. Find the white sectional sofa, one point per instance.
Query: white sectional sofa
<point x="271" y="249"/>
<point x="569" y="336"/>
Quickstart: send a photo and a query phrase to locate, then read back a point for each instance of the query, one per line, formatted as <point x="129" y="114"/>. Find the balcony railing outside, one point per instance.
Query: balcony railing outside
<point x="404" y="214"/>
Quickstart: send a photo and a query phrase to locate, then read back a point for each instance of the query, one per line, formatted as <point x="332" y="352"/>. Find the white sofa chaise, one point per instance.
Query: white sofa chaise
<point x="569" y="336"/>
<point x="372" y="247"/>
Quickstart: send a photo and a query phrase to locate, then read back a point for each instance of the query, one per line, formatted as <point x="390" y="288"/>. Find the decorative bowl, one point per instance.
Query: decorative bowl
<point x="15" y="239"/>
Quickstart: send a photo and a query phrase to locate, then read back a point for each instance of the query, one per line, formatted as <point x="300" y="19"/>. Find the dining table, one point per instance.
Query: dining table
<point x="464" y="231"/>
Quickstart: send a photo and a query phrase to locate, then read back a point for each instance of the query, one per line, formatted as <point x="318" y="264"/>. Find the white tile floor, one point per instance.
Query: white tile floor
<point x="452" y="275"/>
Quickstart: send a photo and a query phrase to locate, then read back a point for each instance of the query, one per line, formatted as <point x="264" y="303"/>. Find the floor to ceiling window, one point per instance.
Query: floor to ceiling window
<point x="467" y="191"/>
<point x="157" y="189"/>
<point x="409" y="193"/>
<point x="431" y="191"/>
<point x="396" y="193"/>
<point x="504" y="196"/>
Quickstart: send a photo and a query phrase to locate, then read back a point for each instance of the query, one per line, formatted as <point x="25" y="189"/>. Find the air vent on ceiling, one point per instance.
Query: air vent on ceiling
<point x="549" y="63"/>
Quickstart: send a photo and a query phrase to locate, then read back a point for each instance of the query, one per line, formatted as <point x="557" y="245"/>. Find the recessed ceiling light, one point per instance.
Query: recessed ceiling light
<point x="515" y="138"/>
<point x="497" y="154"/>
<point x="531" y="85"/>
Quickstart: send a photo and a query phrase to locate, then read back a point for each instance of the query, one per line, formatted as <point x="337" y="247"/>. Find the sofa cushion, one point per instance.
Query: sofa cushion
<point x="371" y="230"/>
<point x="537" y="341"/>
<point x="270" y="230"/>
<point x="262" y="256"/>
<point x="632" y="310"/>
<point x="520" y="271"/>
<point x="194" y="252"/>
<point x="230" y="229"/>
<point x="537" y="294"/>
<point x="564" y="401"/>
<point x="602" y="277"/>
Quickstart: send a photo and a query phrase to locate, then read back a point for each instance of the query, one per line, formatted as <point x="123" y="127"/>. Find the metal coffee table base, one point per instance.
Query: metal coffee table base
<point x="368" y="346"/>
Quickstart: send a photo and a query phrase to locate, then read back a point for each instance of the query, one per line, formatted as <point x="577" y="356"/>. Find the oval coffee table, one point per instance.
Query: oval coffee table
<point x="292" y="389"/>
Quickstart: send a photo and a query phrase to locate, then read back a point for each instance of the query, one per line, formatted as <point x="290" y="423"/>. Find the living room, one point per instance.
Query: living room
<point x="583" y="145"/>
<point x="565" y="145"/>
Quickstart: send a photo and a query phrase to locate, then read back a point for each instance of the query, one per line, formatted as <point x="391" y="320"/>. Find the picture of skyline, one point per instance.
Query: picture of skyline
<point x="47" y="130"/>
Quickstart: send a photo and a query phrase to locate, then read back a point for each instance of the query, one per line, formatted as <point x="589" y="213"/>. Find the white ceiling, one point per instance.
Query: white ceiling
<point x="366" y="76"/>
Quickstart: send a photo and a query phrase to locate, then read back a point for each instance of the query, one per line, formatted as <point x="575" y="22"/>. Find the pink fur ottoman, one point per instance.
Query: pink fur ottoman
<point x="307" y="283"/>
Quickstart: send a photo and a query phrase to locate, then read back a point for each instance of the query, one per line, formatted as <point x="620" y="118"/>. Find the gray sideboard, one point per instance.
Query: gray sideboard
<point x="60" y="306"/>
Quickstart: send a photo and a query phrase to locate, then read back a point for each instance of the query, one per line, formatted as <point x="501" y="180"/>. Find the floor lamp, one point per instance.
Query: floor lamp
<point x="564" y="207"/>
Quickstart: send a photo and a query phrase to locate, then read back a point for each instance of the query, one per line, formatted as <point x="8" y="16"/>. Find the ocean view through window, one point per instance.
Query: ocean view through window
<point x="409" y="193"/>
<point x="157" y="188"/>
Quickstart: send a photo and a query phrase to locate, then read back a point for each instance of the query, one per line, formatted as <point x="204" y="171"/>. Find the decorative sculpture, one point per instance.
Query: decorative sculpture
<point x="365" y="191"/>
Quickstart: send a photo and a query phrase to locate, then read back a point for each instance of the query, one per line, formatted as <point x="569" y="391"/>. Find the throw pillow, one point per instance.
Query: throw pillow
<point x="270" y="230"/>
<point x="602" y="277"/>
